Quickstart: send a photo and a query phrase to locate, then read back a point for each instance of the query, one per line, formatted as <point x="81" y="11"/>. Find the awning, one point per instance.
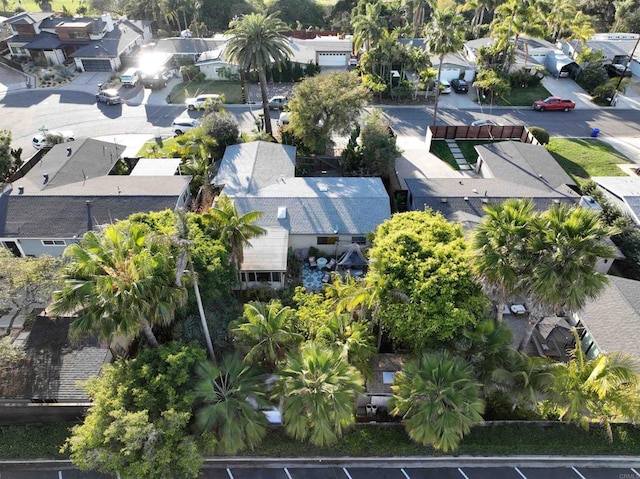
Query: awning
<point x="268" y="252"/>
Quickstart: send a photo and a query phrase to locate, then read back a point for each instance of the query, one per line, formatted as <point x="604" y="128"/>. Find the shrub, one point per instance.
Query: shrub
<point x="540" y="134"/>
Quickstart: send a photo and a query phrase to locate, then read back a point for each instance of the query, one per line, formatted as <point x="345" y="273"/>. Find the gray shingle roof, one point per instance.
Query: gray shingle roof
<point x="613" y="319"/>
<point x="112" y="45"/>
<point x="66" y="216"/>
<point x="187" y="46"/>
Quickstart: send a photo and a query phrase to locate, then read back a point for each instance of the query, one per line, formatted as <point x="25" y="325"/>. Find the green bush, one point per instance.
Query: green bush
<point x="524" y="79"/>
<point x="540" y="134"/>
<point x="191" y="73"/>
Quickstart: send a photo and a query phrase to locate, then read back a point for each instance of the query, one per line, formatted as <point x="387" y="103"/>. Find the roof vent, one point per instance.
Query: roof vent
<point x="323" y="187"/>
<point x="466" y="198"/>
<point x="45" y="178"/>
<point x="484" y="200"/>
<point x="474" y="190"/>
<point x="20" y="190"/>
<point x="443" y="200"/>
<point x="282" y="212"/>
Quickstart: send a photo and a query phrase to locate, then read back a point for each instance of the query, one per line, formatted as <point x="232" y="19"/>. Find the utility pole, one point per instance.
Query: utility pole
<point x="626" y="67"/>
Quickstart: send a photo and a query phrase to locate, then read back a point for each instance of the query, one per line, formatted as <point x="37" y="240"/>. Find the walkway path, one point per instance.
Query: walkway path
<point x="457" y="155"/>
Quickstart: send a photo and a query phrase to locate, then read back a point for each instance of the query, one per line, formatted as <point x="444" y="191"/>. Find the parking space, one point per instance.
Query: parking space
<point x="608" y="473"/>
<point x="261" y="473"/>
<point x="316" y="473"/>
<point x="433" y="473"/>
<point x="369" y="473"/>
<point x="548" y="473"/>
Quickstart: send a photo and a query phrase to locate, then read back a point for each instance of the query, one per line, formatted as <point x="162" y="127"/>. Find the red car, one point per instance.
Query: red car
<point x="554" y="103"/>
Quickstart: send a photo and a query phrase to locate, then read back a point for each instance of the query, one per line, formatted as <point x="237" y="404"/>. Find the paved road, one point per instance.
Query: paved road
<point x="332" y="472"/>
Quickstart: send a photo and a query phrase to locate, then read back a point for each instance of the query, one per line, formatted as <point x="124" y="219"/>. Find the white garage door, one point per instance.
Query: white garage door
<point x="332" y="59"/>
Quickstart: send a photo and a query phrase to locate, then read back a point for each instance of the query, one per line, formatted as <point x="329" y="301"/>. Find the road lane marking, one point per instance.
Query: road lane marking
<point x="286" y="471"/>
<point x="405" y="473"/>
<point x="520" y="472"/>
<point x="59" y="474"/>
<point x="577" y="472"/>
<point x="347" y="473"/>
<point x="463" y="474"/>
<point x="229" y="472"/>
<point x="635" y="472"/>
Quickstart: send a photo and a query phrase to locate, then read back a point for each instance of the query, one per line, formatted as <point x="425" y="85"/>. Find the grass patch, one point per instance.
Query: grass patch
<point x="232" y="91"/>
<point x="584" y="158"/>
<point x="152" y="149"/>
<point x="524" y="96"/>
<point x="33" y="441"/>
<point x="442" y="151"/>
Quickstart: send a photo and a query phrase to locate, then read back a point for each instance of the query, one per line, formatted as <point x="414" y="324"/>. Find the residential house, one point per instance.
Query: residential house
<point x="615" y="48"/>
<point x="327" y="213"/>
<point x="454" y="65"/>
<point x="70" y="191"/>
<point x="623" y="192"/>
<point x="94" y="44"/>
<point x="188" y="48"/>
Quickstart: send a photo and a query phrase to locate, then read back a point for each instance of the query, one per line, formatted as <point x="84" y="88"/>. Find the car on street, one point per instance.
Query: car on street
<point x="485" y="123"/>
<point x="49" y="138"/>
<point x="617" y="70"/>
<point x="206" y="100"/>
<point x="445" y="87"/>
<point x="284" y="119"/>
<point x="459" y="85"/>
<point x="554" y="103"/>
<point x="182" y="125"/>
<point x="110" y="96"/>
<point x="278" y="102"/>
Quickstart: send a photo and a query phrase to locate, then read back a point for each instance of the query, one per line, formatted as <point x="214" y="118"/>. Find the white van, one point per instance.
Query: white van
<point x="130" y="77"/>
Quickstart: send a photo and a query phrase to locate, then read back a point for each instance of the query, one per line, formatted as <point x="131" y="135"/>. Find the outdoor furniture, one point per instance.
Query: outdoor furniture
<point x="331" y="264"/>
<point x="326" y="278"/>
<point x="518" y="309"/>
<point x="312" y="262"/>
<point x="322" y="262"/>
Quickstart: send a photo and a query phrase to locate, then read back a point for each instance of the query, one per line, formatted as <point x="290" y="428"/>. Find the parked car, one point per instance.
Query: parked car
<point x="617" y="70"/>
<point x="110" y="96"/>
<point x="284" y="119"/>
<point x="278" y="102"/>
<point x="485" y="123"/>
<point x="554" y="103"/>
<point x="459" y="85"/>
<point x="182" y="125"/>
<point x="130" y="77"/>
<point x="206" y="100"/>
<point x="49" y="138"/>
<point x="445" y="87"/>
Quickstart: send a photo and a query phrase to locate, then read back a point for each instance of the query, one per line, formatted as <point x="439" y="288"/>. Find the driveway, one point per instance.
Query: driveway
<point x="10" y="80"/>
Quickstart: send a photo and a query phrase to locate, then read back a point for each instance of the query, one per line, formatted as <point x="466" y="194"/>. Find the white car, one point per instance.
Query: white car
<point x="182" y="125"/>
<point x="278" y="102"/>
<point x="49" y="138"/>
<point x="202" y="101"/>
<point x="485" y="123"/>
<point x="285" y="118"/>
<point x="445" y="87"/>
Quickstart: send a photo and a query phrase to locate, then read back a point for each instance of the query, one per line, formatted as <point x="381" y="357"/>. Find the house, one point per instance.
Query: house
<point x="615" y="48"/>
<point x="454" y="65"/>
<point x="214" y="65"/>
<point x="327" y="213"/>
<point x="611" y="322"/>
<point x="189" y="48"/>
<point x="622" y="191"/>
<point x="70" y="191"/>
<point x="324" y="51"/>
<point x="507" y="169"/>
<point x="94" y="44"/>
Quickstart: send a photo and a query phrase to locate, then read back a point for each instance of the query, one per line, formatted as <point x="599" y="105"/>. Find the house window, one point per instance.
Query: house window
<point x="54" y="243"/>
<point x="77" y="35"/>
<point x="251" y="277"/>
<point x="243" y="277"/>
<point x="359" y="239"/>
<point x="327" y="239"/>
<point x="263" y="276"/>
<point x="275" y="276"/>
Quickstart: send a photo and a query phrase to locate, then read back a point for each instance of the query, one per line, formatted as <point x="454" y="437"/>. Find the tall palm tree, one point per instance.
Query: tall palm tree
<point x="368" y="27"/>
<point x="268" y="331"/>
<point x="563" y="247"/>
<point x="256" y="42"/>
<point x="443" y="34"/>
<point x="119" y="281"/>
<point x="231" y="395"/>
<point x="438" y="399"/>
<point x="601" y="390"/>
<point x="235" y="230"/>
<point x="499" y="242"/>
<point x="318" y="388"/>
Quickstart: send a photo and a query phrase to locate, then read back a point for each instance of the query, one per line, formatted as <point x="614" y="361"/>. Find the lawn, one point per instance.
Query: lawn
<point x="442" y="151"/>
<point x="524" y="96"/>
<point x="152" y="149"/>
<point x="584" y="158"/>
<point x="232" y="91"/>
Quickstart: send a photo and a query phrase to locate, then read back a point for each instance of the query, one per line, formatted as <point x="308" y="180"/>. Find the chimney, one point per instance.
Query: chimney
<point x="106" y="18"/>
<point x="89" y="222"/>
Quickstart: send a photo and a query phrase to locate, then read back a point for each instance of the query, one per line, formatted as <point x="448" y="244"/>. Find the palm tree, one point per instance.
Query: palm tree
<point x="563" y="247"/>
<point x="368" y="27"/>
<point x="438" y="399"/>
<point x="268" y="331"/>
<point x="443" y="34"/>
<point x="602" y="390"/>
<point x="119" y="281"/>
<point x="499" y="244"/>
<point x="235" y="230"/>
<point x="232" y="394"/>
<point x="256" y="42"/>
<point x="318" y="388"/>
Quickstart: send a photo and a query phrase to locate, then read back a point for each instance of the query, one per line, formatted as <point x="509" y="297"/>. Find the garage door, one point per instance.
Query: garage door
<point x="332" y="59"/>
<point x="96" y="65"/>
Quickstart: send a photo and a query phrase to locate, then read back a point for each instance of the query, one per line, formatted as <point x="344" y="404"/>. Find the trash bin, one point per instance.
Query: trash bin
<point x="595" y="132"/>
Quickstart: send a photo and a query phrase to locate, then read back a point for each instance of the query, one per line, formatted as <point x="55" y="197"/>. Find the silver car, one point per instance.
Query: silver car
<point x="110" y="96"/>
<point x="182" y="125"/>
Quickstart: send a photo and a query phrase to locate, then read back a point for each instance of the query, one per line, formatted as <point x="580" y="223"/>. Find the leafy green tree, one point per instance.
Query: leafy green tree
<point x="231" y="394"/>
<point x="138" y="424"/>
<point x="303" y="13"/>
<point x="491" y="83"/>
<point x="498" y="242"/>
<point x="444" y="34"/>
<point x="313" y="311"/>
<point x="326" y="104"/>
<point x="119" y="281"/>
<point x="234" y="229"/>
<point x="266" y="330"/>
<point x="601" y="390"/>
<point x="224" y="129"/>
<point x="424" y="257"/>
<point x="437" y="399"/>
<point x="256" y="42"/>
<point x="10" y="160"/>
<point x="368" y="26"/>
<point x="318" y="388"/>
<point x="378" y="150"/>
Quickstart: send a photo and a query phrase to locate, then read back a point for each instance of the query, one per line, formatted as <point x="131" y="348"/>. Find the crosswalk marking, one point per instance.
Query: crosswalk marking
<point x="347" y="473"/>
<point x="229" y="472"/>
<point x="405" y="473"/>
<point x="463" y="474"/>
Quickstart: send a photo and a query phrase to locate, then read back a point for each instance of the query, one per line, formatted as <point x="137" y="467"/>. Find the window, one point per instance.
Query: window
<point x="275" y="276"/>
<point x="243" y="277"/>
<point x="77" y="35"/>
<point x="327" y="239"/>
<point x="359" y="239"/>
<point x="263" y="276"/>
<point x="54" y="243"/>
<point x="251" y="277"/>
